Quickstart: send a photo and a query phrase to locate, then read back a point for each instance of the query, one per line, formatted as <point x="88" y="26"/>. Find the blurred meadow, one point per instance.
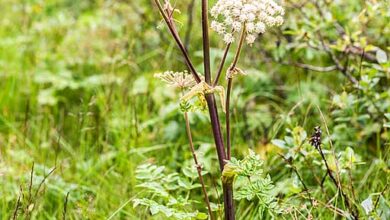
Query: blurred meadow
<point x="81" y="110"/>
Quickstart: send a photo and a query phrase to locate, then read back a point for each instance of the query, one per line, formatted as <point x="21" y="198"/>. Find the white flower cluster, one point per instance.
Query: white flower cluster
<point x="177" y="79"/>
<point x="231" y="16"/>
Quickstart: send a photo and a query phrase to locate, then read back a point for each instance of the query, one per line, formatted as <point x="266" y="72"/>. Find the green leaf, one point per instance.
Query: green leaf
<point x="172" y="130"/>
<point x="187" y="184"/>
<point x="202" y="215"/>
<point x="279" y="143"/>
<point x="368" y="205"/>
<point x="381" y="56"/>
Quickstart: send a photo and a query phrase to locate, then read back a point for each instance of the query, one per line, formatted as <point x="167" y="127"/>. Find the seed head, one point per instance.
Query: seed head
<point x="179" y="80"/>
<point x="315" y="139"/>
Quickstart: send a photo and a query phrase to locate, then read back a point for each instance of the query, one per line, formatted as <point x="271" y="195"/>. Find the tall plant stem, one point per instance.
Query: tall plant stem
<point x="198" y="166"/>
<point x="206" y="42"/>
<point x="229" y="89"/>
<point x="227" y="115"/>
<point x="215" y="124"/>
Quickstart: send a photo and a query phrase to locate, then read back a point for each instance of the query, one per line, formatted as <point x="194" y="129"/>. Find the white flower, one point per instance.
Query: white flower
<point x="236" y="26"/>
<point x="228" y="21"/>
<point x="251" y="17"/>
<point x="260" y="27"/>
<point x="243" y="17"/>
<point x="218" y="27"/>
<point x="279" y="20"/>
<point x="250" y="27"/>
<point x="250" y="38"/>
<point x="228" y="38"/>
<point x="236" y="12"/>
<point x="256" y="15"/>
<point x="177" y="79"/>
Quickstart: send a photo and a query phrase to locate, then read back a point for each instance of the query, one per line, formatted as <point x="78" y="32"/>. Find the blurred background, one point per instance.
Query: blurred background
<point x="80" y="109"/>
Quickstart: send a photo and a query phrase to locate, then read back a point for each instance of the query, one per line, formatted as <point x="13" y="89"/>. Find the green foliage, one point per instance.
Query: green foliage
<point x="251" y="187"/>
<point x="166" y="192"/>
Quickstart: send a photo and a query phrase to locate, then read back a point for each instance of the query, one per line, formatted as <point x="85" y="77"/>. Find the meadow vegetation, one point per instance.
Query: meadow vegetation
<point x="87" y="130"/>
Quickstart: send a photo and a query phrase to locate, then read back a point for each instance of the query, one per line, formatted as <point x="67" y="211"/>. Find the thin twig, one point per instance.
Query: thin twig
<point x="332" y="208"/>
<point x="175" y="35"/>
<point x="339" y="66"/>
<point x="229" y="88"/>
<point x="381" y="194"/>
<point x="206" y="42"/>
<point x="31" y="182"/>
<point x="289" y="162"/>
<point x="221" y="64"/>
<point x="338" y="181"/>
<point x="65" y="206"/>
<point x="15" y="215"/>
<point x="197" y="165"/>
<point x="36" y="192"/>
<point x="313" y="68"/>
<point x="43" y="181"/>
<point x="228" y="132"/>
<point x="238" y="52"/>
<point x="351" y="182"/>
<point x="29" y="200"/>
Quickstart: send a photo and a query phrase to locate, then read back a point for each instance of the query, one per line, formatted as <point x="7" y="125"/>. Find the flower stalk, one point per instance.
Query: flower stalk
<point x="222" y="64"/>
<point x="197" y="165"/>
<point x="213" y="112"/>
<point x="229" y="88"/>
<point x="206" y="42"/>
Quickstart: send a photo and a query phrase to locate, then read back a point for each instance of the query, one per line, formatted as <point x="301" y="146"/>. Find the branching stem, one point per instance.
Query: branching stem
<point x="221" y="64"/>
<point x="171" y="26"/>
<point x="229" y="88"/>
<point x="206" y="42"/>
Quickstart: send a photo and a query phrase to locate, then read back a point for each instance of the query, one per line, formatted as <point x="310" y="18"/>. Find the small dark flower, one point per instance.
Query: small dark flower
<point x="315" y="139"/>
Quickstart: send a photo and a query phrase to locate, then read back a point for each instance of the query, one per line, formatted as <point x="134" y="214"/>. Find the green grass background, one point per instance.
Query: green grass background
<point x="77" y="93"/>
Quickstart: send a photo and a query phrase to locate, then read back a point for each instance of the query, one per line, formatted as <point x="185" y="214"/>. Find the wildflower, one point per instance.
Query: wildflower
<point x="232" y="72"/>
<point x="218" y="27"/>
<point x="255" y="15"/>
<point x="201" y="89"/>
<point x="179" y="80"/>
<point x="228" y="38"/>
<point x="315" y="139"/>
<point x="250" y="38"/>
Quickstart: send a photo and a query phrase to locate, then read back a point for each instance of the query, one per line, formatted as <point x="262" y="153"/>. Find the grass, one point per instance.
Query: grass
<point x="77" y="94"/>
